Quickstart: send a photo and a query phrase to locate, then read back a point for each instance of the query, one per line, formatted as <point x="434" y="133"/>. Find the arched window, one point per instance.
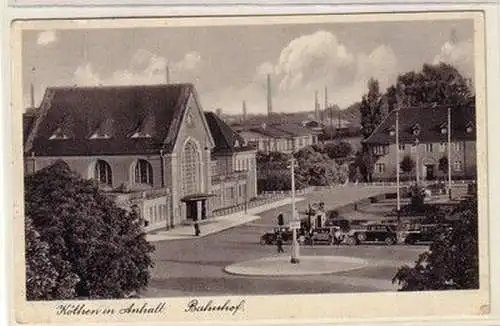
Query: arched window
<point x="102" y="172"/>
<point x="190" y="168"/>
<point x="143" y="173"/>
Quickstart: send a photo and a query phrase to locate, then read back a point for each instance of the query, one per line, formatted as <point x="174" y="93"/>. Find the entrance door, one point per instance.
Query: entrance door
<point x="191" y="210"/>
<point x="429" y="172"/>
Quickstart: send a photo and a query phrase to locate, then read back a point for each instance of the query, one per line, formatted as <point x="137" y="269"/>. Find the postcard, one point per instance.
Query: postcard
<point x="250" y="168"/>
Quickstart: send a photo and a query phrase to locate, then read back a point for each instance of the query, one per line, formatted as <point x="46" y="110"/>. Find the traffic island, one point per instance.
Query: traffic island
<point x="309" y="265"/>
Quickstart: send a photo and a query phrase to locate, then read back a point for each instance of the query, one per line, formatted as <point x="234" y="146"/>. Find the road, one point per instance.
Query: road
<point x="194" y="267"/>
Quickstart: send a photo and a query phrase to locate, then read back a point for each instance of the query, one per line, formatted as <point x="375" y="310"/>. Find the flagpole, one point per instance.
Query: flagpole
<point x="449" y="153"/>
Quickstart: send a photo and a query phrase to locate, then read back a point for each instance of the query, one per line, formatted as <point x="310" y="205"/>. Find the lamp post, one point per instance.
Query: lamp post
<point x="295" y="245"/>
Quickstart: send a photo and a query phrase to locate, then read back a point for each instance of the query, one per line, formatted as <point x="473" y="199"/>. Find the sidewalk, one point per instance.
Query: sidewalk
<point x="215" y="224"/>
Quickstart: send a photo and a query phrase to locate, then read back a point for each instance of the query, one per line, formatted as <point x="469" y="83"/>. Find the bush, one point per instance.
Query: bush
<point x="417" y="195"/>
<point x="452" y="262"/>
<point x="96" y="249"/>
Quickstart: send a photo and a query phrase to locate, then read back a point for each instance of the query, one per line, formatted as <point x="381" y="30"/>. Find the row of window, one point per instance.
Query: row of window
<point x="381" y="167"/>
<point x="244" y="164"/>
<point x="157" y="213"/>
<point x="143" y="172"/>
<point x="429" y="148"/>
<point x="282" y="144"/>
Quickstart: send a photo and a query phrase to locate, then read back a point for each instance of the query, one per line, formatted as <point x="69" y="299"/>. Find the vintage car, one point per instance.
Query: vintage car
<point x="269" y="238"/>
<point x="372" y="233"/>
<point x="325" y="235"/>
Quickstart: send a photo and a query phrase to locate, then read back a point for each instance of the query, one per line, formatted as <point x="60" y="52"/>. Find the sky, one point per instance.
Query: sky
<point x="229" y="64"/>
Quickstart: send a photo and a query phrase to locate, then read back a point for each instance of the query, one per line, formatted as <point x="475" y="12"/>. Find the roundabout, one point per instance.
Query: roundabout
<point x="309" y="265"/>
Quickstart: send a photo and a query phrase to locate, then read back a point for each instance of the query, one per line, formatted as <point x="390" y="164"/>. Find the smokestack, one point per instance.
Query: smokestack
<point x="167" y="77"/>
<point x="316" y="106"/>
<point x="244" y="107"/>
<point x="326" y="105"/>
<point x="269" y="96"/>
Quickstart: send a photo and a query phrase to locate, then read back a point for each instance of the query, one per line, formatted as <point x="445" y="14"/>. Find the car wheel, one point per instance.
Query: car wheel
<point x="361" y="237"/>
<point x="351" y="241"/>
<point x="389" y="241"/>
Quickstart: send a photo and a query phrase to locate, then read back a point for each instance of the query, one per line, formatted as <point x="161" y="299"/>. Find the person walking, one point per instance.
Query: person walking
<point x="279" y="243"/>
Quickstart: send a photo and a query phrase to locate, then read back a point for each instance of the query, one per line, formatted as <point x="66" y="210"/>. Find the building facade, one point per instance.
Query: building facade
<point x="149" y="147"/>
<point x="283" y="137"/>
<point x="423" y="136"/>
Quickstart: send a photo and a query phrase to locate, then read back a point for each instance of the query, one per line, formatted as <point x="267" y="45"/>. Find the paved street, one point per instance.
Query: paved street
<point x="195" y="266"/>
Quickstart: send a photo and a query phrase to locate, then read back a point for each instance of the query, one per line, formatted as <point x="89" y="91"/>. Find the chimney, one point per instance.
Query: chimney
<point x="167" y="72"/>
<point x="269" y="96"/>
<point x="244" y="108"/>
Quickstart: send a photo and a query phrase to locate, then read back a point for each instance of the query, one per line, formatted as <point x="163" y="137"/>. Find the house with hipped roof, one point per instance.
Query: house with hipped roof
<point x="423" y="136"/>
<point x="152" y="148"/>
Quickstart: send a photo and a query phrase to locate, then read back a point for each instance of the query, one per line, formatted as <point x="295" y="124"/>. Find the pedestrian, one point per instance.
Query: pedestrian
<point x="279" y="243"/>
<point x="311" y="236"/>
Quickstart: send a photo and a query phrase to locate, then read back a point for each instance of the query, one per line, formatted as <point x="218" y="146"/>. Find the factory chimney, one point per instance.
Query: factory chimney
<point x="269" y="97"/>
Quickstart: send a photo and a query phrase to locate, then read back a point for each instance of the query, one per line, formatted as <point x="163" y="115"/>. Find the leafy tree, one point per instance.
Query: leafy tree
<point x="364" y="163"/>
<point x="391" y="98"/>
<point x="407" y="164"/>
<point x="452" y="261"/>
<point x="371" y="109"/>
<point x="42" y="278"/>
<point x="435" y="84"/>
<point x="417" y="196"/>
<point x="338" y="150"/>
<point x="88" y="236"/>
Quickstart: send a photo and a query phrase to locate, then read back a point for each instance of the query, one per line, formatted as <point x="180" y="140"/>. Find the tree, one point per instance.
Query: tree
<point x="88" y="236"/>
<point x="407" y="164"/>
<point x="364" y="164"/>
<point x="338" y="150"/>
<point x="371" y="109"/>
<point x="435" y="84"/>
<point x="452" y="261"/>
<point x="391" y="97"/>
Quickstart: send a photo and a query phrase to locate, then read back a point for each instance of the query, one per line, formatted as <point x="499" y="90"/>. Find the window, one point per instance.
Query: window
<point x="442" y="147"/>
<point x="401" y="147"/>
<point x="469" y="129"/>
<point x="150" y="217"/>
<point x="143" y="173"/>
<point x="457" y="165"/>
<point x="58" y="134"/>
<point x="102" y="172"/>
<point x="380" y="167"/>
<point x="414" y="147"/>
<point x="428" y="148"/>
<point x="457" y="147"/>
<point x="190" y="168"/>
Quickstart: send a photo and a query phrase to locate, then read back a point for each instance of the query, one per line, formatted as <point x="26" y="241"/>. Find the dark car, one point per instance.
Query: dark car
<point x="425" y="233"/>
<point x="372" y="233"/>
<point x="325" y="235"/>
<point x="270" y="237"/>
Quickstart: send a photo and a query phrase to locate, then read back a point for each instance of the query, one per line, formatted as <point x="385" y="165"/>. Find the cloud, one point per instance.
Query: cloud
<point x="145" y="68"/>
<point x="308" y="64"/>
<point x="46" y="37"/>
<point x="459" y="54"/>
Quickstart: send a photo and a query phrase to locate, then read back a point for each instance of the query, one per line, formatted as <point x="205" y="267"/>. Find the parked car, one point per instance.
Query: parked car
<point x="372" y="233"/>
<point x="325" y="235"/>
<point x="422" y="233"/>
<point x="269" y="238"/>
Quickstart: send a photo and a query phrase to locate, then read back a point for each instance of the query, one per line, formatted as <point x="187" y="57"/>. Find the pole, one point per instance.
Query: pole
<point x="397" y="163"/>
<point x="449" y="153"/>
<point x="295" y="246"/>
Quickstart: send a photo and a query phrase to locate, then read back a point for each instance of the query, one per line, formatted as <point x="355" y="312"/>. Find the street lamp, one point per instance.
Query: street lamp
<point x="295" y="254"/>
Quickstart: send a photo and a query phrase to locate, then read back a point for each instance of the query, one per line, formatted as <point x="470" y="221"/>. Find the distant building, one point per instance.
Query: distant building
<point x="149" y="147"/>
<point x="423" y="135"/>
<point x="286" y="137"/>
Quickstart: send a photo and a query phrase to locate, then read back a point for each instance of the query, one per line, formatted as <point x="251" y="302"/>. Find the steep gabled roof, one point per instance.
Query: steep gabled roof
<point x="153" y="112"/>
<point x="429" y="120"/>
<point x="226" y="139"/>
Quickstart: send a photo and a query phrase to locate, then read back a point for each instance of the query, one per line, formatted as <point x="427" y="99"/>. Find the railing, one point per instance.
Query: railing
<point x="138" y="194"/>
<point x="249" y="205"/>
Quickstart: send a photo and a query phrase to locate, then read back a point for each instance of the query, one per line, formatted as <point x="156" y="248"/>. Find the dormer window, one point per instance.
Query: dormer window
<point x="58" y="134"/>
<point x="104" y="131"/>
<point x="392" y="131"/>
<point x="236" y="143"/>
<point x="140" y="134"/>
<point x="99" y="136"/>
<point x="444" y="128"/>
<point x="469" y="128"/>
<point x="145" y="128"/>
